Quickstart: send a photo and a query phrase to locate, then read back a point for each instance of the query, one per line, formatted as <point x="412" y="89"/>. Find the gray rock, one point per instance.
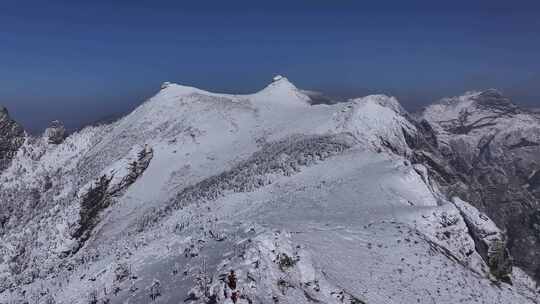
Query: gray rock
<point x="490" y="241"/>
<point x="55" y="133"/>
<point x="11" y="138"/>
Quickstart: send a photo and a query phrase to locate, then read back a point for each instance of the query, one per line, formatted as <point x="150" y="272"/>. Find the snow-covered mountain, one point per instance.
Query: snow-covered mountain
<point x="304" y="203"/>
<point x="491" y="154"/>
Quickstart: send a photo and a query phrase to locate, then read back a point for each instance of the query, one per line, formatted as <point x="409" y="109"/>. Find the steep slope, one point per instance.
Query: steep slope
<point x="489" y="155"/>
<point x="305" y="203"/>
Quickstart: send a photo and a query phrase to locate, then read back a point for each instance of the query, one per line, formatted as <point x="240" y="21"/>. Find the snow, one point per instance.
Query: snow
<point x="376" y="118"/>
<point x="486" y="226"/>
<point x="306" y="203"/>
<point x="281" y="92"/>
<point x="466" y="110"/>
<point x="277" y="78"/>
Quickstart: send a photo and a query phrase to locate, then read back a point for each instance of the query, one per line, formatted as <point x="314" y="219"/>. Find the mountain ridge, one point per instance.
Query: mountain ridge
<point x="326" y="203"/>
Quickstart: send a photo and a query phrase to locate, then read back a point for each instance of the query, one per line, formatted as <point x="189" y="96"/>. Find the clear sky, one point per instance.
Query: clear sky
<point x="80" y="61"/>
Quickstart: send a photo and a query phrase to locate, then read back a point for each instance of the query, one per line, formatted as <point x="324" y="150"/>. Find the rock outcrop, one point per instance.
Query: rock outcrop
<point x="11" y="137"/>
<point x="55" y="133"/>
<point x="490" y="241"/>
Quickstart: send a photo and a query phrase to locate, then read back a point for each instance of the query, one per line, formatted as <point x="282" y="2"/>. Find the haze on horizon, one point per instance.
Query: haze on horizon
<point x="81" y="61"/>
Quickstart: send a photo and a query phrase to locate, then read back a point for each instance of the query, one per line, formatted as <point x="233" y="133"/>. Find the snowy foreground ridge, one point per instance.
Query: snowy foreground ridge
<point x="304" y="203"/>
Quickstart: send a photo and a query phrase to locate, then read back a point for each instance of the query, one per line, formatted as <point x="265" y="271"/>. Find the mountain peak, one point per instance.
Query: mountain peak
<point x="472" y="111"/>
<point x="495" y="93"/>
<point x="277" y="78"/>
<point x="493" y="98"/>
<point x="486" y="100"/>
<point x="6" y="118"/>
<point x="282" y="82"/>
<point x="282" y="91"/>
<point x="386" y="101"/>
<point x="165" y="85"/>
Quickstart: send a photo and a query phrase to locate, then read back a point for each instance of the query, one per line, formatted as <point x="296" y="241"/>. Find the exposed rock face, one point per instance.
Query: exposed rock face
<point x="486" y="150"/>
<point x="490" y="241"/>
<point x="11" y="137"/>
<point x="56" y="132"/>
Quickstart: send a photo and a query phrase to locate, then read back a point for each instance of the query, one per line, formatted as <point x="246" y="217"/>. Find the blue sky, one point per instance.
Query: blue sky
<point x="79" y="61"/>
